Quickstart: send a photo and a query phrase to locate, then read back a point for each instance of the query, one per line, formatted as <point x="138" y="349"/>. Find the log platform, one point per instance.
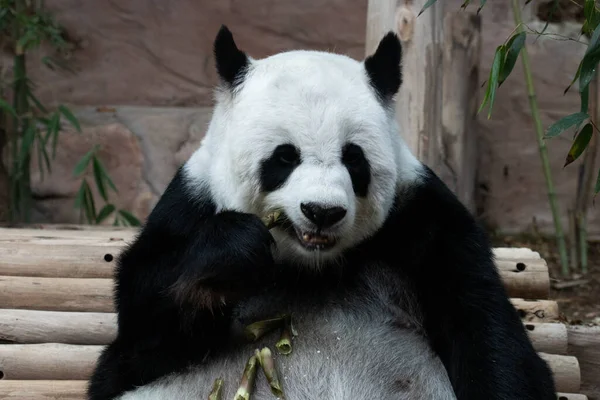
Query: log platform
<point x="57" y="312"/>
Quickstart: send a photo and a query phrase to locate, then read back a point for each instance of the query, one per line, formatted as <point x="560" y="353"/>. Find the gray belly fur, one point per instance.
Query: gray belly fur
<point x="350" y="346"/>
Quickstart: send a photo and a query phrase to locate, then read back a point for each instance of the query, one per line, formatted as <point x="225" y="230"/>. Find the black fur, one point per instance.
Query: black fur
<point x="432" y="238"/>
<point x="159" y="331"/>
<point x="383" y="67"/>
<point x="358" y="166"/>
<point x="429" y="239"/>
<point x="232" y="63"/>
<point x="276" y="169"/>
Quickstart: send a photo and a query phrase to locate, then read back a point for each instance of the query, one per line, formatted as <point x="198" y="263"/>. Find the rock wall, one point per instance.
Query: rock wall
<point x="149" y="63"/>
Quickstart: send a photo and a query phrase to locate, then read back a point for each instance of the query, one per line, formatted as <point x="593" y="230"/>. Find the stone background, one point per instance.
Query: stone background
<point x="143" y="75"/>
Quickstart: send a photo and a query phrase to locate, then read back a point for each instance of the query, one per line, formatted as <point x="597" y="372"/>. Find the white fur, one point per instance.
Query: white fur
<point x="318" y="101"/>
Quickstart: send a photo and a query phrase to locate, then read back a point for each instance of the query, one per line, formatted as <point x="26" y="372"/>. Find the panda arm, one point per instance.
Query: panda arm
<point x="174" y="288"/>
<point x="467" y="315"/>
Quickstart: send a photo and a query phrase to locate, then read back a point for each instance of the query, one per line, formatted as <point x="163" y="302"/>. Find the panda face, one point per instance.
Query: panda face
<point x="311" y="134"/>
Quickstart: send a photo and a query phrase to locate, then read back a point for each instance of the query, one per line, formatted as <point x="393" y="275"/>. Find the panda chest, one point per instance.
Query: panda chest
<point x="343" y="344"/>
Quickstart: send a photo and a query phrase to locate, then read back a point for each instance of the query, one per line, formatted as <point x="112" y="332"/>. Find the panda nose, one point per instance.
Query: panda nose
<point x="323" y="217"/>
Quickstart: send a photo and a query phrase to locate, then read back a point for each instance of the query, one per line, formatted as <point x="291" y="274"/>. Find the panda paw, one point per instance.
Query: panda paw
<point x="239" y="249"/>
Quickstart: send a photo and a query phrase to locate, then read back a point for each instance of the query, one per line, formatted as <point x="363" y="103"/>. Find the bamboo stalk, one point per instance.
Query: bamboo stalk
<point x="265" y="358"/>
<point x="215" y="393"/>
<point x="587" y="176"/>
<point x="247" y="381"/>
<point x="573" y="238"/>
<point x="284" y="344"/>
<point x="560" y="237"/>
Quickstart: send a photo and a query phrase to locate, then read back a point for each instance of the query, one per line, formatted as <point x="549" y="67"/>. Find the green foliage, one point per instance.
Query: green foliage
<point x="25" y="25"/>
<point x="580" y="143"/>
<point x="506" y="56"/>
<point x="85" y="199"/>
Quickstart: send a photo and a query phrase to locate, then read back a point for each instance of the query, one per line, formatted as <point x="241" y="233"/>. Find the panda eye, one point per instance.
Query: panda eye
<point x="352" y="155"/>
<point x="287" y="154"/>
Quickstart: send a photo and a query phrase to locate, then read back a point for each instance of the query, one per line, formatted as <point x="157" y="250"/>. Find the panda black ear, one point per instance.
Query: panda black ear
<point x="231" y="62"/>
<point x="383" y="67"/>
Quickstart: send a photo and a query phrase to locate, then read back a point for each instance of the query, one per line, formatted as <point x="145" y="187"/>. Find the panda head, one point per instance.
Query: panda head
<point x="312" y="134"/>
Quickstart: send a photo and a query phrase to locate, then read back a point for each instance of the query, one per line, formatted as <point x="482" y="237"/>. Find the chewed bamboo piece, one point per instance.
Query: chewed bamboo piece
<point x="265" y="357"/>
<point x="258" y="329"/>
<point x="248" y="378"/>
<point x="273" y="219"/>
<point x="284" y="344"/>
<point x="215" y="393"/>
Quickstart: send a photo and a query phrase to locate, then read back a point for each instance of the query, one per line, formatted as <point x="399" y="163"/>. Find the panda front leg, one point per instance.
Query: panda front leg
<point x="174" y="293"/>
<point x="477" y="333"/>
<point x="435" y="244"/>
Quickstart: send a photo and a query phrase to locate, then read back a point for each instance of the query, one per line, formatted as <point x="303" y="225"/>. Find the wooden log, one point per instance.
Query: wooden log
<point x="51" y="361"/>
<point x="524" y="278"/>
<point x="460" y="78"/>
<point x="33" y="326"/>
<point x="95" y="295"/>
<point x="536" y="310"/>
<point x="584" y="343"/>
<point x="76" y="390"/>
<point x="418" y="105"/>
<point x="56" y="294"/>
<point x="567" y="375"/>
<point x="548" y="337"/>
<point x="89" y="328"/>
<point x="55" y="257"/>
<point x="570" y="396"/>
<point x="95" y="257"/>
<point x="515" y="253"/>
<point x="48" y="361"/>
<point x="43" y="390"/>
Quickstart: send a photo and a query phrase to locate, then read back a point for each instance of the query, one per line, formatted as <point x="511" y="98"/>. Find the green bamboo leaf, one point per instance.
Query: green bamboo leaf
<point x="117" y="220"/>
<point x="105" y="212"/>
<point x="106" y="176"/>
<point x="584" y="95"/>
<point x="90" y="206"/>
<point x="426" y="6"/>
<point x="80" y="196"/>
<point x="579" y="144"/>
<point x="129" y="218"/>
<point x="465" y="4"/>
<point x="592" y="17"/>
<point x="490" y="93"/>
<point x="54" y="130"/>
<point x="514" y="46"/>
<point x="43" y="158"/>
<point x="588" y="70"/>
<point x="70" y="117"/>
<point x="99" y="178"/>
<point x="26" y="144"/>
<point x="84" y="161"/>
<point x="481" y="4"/>
<point x="4" y="105"/>
<point x="575" y="78"/>
<point x="37" y="103"/>
<point x="565" y="123"/>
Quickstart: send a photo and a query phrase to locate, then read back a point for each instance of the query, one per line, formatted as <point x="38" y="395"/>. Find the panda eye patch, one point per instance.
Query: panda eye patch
<point x="352" y="155"/>
<point x="358" y="167"/>
<point x="287" y="154"/>
<point x="276" y="169"/>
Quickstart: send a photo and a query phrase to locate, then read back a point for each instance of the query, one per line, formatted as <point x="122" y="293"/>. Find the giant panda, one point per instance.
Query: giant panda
<point x="389" y="279"/>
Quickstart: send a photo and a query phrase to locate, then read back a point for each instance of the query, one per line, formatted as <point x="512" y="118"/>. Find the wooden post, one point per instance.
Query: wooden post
<point x="419" y="100"/>
<point x="460" y="77"/>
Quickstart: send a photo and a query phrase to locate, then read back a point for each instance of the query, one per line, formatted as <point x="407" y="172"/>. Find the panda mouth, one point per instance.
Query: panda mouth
<point x="314" y="240"/>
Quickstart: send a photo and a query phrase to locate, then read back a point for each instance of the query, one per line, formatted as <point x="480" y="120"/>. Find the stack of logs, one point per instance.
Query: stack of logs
<point x="56" y="309"/>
